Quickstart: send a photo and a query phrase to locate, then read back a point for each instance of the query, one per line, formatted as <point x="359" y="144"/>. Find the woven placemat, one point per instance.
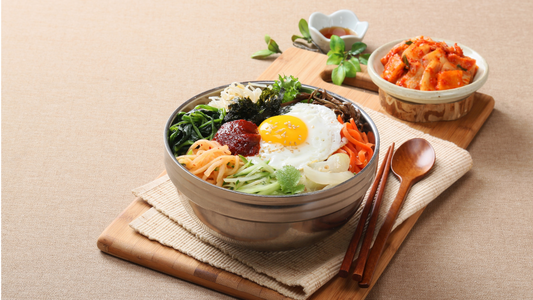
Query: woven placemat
<point x="298" y="273"/>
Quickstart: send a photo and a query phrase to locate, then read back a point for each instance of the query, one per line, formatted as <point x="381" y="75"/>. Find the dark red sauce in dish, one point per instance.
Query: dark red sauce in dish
<point x="241" y="136"/>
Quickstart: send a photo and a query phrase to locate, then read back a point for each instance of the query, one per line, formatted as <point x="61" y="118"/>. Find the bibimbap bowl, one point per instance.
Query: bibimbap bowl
<point x="268" y="222"/>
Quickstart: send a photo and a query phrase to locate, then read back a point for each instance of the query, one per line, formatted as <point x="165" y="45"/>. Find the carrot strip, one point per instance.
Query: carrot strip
<point x="365" y="138"/>
<point x="353" y="123"/>
<point x="353" y="151"/>
<point x="340" y="119"/>
<point x="358" y="148"/>
<point x="355" y="134"/>
<point x="371" y="137"/>
<point x="348" y="125"/>
<point x="353" y="140"/>
<point x="352" y="160"/>
<point x="362" y="145"/>
<point x="362" y="156"/>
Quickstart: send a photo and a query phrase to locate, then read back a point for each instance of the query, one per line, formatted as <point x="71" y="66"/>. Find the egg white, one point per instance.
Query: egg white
<point x="322" y="140"/>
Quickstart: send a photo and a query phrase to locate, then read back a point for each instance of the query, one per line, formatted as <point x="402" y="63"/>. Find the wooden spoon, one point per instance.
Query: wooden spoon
<point x="411" y="162"/>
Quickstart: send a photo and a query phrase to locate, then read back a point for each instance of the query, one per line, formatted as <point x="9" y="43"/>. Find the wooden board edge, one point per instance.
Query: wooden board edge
<point x="118" y="248"/>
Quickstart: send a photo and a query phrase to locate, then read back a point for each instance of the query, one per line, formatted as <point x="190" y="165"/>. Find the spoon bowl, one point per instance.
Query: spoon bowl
<point x="413" y="160"/>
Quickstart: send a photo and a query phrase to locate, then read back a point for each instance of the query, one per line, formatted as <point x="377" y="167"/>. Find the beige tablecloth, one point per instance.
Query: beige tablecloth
<point x="87" y="87"/>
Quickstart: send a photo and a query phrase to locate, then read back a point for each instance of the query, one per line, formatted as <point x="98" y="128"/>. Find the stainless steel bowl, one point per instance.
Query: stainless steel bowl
<point x="267" y="223"/>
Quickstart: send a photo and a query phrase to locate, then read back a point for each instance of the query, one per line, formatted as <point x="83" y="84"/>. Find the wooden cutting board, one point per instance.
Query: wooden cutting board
<point x="120" y="240"/>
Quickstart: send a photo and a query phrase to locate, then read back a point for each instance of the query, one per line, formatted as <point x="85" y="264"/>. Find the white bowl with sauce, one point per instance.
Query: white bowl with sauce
<point x="343" y="22"/>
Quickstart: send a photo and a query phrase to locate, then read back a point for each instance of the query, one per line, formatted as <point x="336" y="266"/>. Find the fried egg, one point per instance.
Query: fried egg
<point x="307" y="133"/>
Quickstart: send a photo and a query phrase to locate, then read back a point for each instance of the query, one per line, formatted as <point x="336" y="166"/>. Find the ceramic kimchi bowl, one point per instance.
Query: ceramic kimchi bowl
<point x="267" y="223"/>
<point x="375" y="69"/>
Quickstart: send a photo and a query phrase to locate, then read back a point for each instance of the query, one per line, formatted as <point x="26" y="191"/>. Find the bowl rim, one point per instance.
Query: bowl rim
<point x="417" y="96"/>
<point x="342" y="11"/>
<point x="303" y="197"/>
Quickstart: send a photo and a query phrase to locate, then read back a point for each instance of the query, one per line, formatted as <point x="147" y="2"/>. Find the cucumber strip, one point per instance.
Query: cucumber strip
<point x="247" y="178"/>
<point x="261" y="189"/>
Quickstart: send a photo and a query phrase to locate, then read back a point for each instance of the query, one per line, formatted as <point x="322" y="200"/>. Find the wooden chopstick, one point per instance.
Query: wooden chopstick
<point x="354" y="242"/>
<point x="363" y="253"/>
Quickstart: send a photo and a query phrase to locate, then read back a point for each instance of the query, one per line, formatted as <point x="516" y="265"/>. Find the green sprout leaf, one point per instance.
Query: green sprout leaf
<point x="351" y="67"/>
<point x="363" y="58"/>
<point x="348" y="63"/>
<point x="338" y="74"/>
<point x="334" y="58"/>
<point x="355" y="62"/>
<point x="262" y="54"/>
<point x="304" y="30"/>
<point x="460" y="67"/>
<point x="408" y="43"/>
<point x="336" y="44"/>
<point x="357" y="48"/>
<point x="273" y="46"/>
<point x="295" y="37"/>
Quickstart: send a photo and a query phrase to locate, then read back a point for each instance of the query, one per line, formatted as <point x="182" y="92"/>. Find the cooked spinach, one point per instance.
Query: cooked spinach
<point x="202" y="122"/>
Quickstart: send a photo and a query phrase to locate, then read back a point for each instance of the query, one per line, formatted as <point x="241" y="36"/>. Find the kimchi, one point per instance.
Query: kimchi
<point x="423" y="64"/>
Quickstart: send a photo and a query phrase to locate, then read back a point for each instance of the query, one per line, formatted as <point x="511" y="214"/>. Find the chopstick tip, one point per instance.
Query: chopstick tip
<point x="343" y="273"/>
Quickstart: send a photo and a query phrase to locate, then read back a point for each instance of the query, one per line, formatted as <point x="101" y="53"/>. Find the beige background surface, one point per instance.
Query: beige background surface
<point x="87" y="87"/>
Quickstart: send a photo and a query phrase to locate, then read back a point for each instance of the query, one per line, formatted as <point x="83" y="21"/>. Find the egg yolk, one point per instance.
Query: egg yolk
<point x="283" y="129"/>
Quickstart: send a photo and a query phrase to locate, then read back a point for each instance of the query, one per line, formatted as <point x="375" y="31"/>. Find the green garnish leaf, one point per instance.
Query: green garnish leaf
<point x="357" y="48"/>
<point x="338" y="75"/>
<point x="336" y="44"/>
<point x="460" y="67"/>
<point x="349" y="65"/>
<point x="273" y="46"/>
<point x="334" y="58"/>
<point x="408" y="43"/>
<point x="262" y="54"/>
<point x="349" y="69"/>
<point x="304" y="29"/>
<point x="352" y="67"/>
<point x="288" y="178"/>
<point x="288" y="85"/>
<point x="272" y="49"/>
<point x="295" y="37"/>
<point x="363" y="58"/>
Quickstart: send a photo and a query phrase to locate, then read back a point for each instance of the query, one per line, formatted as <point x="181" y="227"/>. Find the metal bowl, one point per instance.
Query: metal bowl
<point x="267" y="223"/>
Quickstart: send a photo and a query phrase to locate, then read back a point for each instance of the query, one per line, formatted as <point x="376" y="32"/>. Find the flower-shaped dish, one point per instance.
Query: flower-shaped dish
<point x="342" y="18"/>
